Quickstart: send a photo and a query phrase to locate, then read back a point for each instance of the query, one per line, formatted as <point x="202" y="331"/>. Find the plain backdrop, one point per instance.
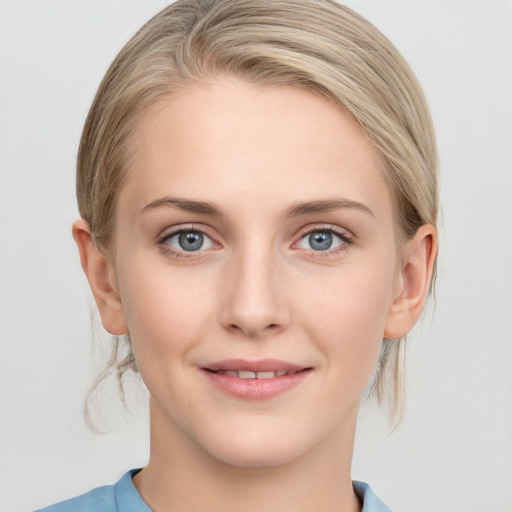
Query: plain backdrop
<point x="453" y="451"/>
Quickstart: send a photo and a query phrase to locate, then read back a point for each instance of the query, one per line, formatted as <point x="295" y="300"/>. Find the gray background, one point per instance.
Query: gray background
<point x="453" y="451"/>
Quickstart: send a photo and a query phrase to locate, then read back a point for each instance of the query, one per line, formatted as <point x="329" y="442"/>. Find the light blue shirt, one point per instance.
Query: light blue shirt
<point x="124" y="497"/>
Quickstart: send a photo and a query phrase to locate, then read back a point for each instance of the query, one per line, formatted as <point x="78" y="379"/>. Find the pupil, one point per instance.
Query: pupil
<point x="191" y="241"/>
<point x="320" y="241"/>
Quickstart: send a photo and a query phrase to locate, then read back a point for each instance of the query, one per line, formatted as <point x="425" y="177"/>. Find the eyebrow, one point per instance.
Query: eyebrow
<point x="326" y="205"/>
<point x="297" y="209"/>
<point x="184" y="204"/>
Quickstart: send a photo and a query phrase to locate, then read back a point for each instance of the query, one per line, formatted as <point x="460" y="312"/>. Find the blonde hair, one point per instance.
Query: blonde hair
<point x="317" y="45"/>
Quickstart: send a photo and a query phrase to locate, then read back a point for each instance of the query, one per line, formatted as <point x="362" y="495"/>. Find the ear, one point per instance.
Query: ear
<point x="101" y="276"/>
<point x="419" y="256"/>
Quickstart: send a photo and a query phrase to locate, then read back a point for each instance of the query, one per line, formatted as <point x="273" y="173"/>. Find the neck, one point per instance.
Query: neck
<point x="182" y="476"/>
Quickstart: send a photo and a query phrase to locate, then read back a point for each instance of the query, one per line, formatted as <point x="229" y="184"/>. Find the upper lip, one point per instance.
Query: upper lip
<point x="262" y="365"/>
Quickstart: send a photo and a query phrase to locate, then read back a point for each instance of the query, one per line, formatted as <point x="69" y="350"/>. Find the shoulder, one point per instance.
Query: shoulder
<point x="120" y="497"/>
<point x="101" y="498"/>
<point x="369" y="500"/>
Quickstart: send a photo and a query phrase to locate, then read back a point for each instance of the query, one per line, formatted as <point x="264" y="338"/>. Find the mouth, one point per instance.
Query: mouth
<point x="256" y="380"/>
<point x="247" y="374"/>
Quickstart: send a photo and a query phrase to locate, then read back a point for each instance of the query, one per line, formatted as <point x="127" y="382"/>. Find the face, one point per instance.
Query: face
<point x="256" y="265"/>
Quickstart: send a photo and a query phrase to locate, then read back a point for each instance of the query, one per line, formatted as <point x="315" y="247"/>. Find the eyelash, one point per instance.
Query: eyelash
<point x="346" y="239"/>
<point x="343" y="235"/>
<point x="162" y="241"/>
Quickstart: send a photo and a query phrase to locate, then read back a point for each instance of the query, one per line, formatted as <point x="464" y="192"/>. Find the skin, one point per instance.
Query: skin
<point x="256" y="289"/>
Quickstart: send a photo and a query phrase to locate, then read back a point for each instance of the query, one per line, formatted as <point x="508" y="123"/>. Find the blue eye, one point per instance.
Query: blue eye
<point x="321" y="241"/>
<point x="189" y="241"/>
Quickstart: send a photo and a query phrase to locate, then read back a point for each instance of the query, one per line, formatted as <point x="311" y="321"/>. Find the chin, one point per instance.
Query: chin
<point x="259" y="446"/>
<point x="255" y="457"/>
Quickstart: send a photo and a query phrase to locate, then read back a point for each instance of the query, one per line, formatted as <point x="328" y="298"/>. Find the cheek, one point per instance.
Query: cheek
<point x="346" y="316"/>
<point x="165" y="313"/>
<point x="352" y="300"/>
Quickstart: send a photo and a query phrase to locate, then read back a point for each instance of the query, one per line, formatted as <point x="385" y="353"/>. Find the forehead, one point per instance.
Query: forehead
<point x="230" y="139"/>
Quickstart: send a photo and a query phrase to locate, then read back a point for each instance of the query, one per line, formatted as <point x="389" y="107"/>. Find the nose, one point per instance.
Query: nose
<point x="253" y="301"/>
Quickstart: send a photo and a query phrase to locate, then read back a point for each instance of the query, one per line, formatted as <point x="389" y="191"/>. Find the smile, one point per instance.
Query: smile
<point x="256" y="380"/>
<point x="245" y="374"/>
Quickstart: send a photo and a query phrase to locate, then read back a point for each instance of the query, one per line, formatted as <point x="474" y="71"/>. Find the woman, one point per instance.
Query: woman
<point x="258" y="198"/>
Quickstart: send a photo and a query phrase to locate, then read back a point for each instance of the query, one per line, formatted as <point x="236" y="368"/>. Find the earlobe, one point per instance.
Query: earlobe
<point x="419" y="256"/>
<point x="101" y="276"/>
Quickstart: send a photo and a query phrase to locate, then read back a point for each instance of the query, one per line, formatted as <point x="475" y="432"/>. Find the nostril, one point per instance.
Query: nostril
<point x="254" y="331"/>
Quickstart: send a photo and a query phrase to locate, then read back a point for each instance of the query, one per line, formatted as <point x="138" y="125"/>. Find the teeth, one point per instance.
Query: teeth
<point x="265" y="375"/>
<point x="245" y="374"/>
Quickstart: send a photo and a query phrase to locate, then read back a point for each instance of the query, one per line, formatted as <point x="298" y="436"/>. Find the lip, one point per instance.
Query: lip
<point x="262" y="365"/>
<point x="255" y="389"/>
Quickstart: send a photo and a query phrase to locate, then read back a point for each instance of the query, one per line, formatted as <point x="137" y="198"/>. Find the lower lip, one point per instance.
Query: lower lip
<point x="255" y="389"/>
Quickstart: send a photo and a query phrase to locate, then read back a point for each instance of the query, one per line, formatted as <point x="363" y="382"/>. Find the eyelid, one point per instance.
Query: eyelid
<point x="343" y="233"/>
<point x="180" y="228"/>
